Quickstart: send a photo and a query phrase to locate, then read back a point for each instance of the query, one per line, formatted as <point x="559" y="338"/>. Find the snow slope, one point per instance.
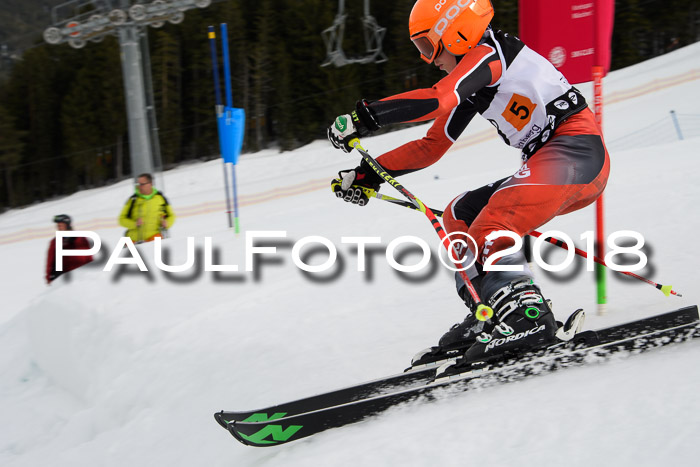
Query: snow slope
<point x="127" y="368"/>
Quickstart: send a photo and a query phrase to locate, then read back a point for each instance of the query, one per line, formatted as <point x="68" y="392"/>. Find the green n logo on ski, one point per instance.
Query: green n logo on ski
<point x="278" y="434"/>
<point x="262" y="417"/>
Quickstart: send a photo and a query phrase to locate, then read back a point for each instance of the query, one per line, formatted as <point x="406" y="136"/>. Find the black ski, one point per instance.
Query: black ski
<point x="273" y="427"/>
<point x="410" y="378"/>
<point x="420" y="372"/>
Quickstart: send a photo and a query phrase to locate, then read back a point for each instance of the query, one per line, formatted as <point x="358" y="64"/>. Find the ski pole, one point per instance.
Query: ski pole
<point x="219" y="109"/>
<point x="483" y="312"/>
<point x="666" y="289"/>
<point x="375" y="194"/>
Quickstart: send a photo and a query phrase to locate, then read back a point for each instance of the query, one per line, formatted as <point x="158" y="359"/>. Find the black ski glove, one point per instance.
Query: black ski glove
<point x="356" y="185"/>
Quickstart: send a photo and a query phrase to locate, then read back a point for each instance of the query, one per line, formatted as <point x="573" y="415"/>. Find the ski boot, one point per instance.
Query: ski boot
<point x="460" y="336"/>
<point x="463" y="335"/>
<point x="453" y="343"/>
<point x="524" y="322"/>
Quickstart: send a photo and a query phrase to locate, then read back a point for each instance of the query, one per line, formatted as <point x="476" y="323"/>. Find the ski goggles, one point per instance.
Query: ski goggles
<point x="429" y="45"/>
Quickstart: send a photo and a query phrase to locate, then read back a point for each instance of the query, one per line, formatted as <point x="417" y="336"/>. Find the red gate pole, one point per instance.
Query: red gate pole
<point x="598" y="72"/>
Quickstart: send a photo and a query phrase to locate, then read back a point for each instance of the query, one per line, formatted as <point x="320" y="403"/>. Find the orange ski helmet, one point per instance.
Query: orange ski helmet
<point x="457" y="25"/>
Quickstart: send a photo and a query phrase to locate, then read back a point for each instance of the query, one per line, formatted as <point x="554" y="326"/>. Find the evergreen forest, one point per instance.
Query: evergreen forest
<point x="63" y="123"/>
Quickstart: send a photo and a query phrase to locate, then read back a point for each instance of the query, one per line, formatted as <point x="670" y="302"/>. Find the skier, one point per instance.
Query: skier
<point x="147" y="213"/>
<point x="565" y="164"/>
<point x="63" y="223"/>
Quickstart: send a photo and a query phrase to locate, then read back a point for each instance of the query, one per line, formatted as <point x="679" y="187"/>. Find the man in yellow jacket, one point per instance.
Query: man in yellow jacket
<point x="147" y="213"/>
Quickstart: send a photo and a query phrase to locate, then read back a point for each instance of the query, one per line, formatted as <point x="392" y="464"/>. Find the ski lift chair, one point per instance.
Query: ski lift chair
<point x="373" y="35"/>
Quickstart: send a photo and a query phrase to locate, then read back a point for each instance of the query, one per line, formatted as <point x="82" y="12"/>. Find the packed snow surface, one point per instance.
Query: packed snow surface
<point x="127" y="367"/>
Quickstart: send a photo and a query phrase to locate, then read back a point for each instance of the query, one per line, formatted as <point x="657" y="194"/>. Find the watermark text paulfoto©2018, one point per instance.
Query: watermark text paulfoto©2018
<point x="455" y="242"/>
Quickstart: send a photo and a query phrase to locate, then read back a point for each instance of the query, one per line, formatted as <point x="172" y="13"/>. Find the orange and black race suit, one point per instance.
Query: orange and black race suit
<point x="534" y="108"/>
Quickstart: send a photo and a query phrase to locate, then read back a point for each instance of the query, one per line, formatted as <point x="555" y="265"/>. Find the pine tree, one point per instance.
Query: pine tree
<point x="11" y="147"/>
<point x="631" y="39"/>
<point x="167" y="88"/>
<point x="67" y="106"/>
<point x="261" y="73"/>
<point x="198" y="129"/>
<point x="91" y="119"/>
<point x="506" y="16"/>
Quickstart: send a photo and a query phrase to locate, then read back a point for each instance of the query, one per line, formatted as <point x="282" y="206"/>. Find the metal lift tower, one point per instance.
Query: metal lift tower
<point x="78" y="22"/>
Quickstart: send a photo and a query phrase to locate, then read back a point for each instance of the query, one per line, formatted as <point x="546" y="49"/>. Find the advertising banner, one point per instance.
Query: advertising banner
<point x="574" y="35"/>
